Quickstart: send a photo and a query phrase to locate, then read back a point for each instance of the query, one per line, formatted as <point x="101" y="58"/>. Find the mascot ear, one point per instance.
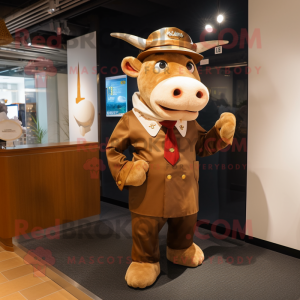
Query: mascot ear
<point x="131" y="66"/>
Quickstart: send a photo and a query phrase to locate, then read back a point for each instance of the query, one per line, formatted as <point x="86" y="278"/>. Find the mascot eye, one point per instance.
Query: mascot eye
<point x="161" y="65"/>
<point x="190" y="67"/>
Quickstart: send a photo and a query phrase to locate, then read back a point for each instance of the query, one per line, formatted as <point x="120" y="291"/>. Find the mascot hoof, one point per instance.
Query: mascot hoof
<point x="141" y="275"/>
<point x="190" y="257"/>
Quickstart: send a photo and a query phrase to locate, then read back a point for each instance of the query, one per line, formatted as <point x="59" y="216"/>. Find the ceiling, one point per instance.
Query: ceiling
<point x="144" y="16"/>
<point x="193" y="12"/>
<point x="9" y="7"/>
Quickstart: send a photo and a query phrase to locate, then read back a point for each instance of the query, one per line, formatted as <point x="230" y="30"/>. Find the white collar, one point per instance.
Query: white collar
<point x="144" y="109"/>
<point x="150" y="120"/>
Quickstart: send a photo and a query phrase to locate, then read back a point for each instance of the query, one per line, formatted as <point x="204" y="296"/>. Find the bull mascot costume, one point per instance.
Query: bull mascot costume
<point x="163" y="176"/>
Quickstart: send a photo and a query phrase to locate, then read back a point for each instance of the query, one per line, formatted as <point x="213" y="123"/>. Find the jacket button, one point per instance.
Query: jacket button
<point x="169" y="177"/>
<point x="183" y="176"/>
<point x="119" y="182"/>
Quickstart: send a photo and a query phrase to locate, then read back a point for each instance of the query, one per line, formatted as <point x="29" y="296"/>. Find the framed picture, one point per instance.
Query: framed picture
<point x="116" y="96"/>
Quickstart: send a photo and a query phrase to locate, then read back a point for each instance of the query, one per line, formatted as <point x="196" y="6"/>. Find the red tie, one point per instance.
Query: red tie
<point x="171" y="148"/>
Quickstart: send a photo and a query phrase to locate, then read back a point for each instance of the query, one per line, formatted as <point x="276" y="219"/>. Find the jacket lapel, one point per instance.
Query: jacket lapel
<point x="153" y="127"/>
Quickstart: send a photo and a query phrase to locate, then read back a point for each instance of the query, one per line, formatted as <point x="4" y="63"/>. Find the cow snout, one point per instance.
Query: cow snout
<point x="199" y="94"/>
<point x="179" y="96"/>
<point x="177" y="93"/>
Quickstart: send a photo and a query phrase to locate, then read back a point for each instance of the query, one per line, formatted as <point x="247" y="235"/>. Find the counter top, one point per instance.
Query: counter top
<point x="53" y="147"/>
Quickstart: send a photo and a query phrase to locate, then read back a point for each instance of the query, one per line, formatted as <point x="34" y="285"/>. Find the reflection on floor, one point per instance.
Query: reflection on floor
<point x="95" y="255"/>
<point x="19" y="281"/>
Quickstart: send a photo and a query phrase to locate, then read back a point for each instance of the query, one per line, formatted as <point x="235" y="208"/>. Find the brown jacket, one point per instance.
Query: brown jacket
<point x="161" y="195"/>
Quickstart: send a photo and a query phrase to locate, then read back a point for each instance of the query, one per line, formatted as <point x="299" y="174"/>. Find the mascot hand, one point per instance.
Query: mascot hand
<point x="137" y="174"/>
<point x="226" y="127"/>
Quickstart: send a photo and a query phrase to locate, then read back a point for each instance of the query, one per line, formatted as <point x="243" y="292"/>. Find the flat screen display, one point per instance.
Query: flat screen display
<point x="12" y="111"/>
<point x="116" y="96"/>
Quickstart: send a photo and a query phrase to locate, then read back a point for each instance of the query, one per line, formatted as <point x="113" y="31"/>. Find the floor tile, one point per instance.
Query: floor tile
<point x="15" y="296"/>
<point x="20" y="281"/>
<point x="4" y="255"/>
<point x="40" y="290"/>
<point x="61" y="295"/>
<point x="18" y="272"/>
<point x="11" y="263"/>
<point x="45" y="278"/>
<point x="18" y="284"/>
<point x="2" y="278"/>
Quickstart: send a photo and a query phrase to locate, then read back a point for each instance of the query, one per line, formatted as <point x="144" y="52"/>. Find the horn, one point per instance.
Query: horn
<point x="131" y="39"/>
<point x="203" y="46"/>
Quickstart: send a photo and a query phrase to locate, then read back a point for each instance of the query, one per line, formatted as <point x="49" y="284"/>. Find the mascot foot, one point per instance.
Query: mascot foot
<point x="141" y="275"/>
<point x="190" y="257"/>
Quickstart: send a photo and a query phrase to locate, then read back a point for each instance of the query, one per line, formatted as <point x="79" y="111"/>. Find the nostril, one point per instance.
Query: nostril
<point x="177" y="92"/>
<point x="199" y="94"/>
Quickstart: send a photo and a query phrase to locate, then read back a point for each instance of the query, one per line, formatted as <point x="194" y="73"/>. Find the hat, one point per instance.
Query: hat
<point x="168" y="39"/>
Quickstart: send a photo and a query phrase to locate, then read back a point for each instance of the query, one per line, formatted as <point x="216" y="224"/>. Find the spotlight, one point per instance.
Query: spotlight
<point x="220" y="18"/>
<point x="53" y="6"/>
<point x="29" y="41"/>
<point x="209" y="28"/>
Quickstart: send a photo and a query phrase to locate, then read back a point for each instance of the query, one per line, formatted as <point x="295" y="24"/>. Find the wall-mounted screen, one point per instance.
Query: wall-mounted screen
<point x="12" y="111"/>
<point x="116" y="96"/>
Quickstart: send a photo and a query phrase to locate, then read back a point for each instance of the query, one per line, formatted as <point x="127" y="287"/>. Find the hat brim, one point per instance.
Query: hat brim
<point x="196" y="57"/>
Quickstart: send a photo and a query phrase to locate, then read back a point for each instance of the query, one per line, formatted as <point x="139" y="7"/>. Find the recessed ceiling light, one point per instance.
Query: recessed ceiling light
<point x="220" y="18"/>
<point x="209" y="28"/>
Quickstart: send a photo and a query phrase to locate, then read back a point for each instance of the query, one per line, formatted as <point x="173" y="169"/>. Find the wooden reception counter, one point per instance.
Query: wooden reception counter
<point x="46" y="185"/>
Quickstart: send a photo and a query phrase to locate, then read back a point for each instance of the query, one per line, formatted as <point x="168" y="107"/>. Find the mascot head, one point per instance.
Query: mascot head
<point x="168" y="80"/>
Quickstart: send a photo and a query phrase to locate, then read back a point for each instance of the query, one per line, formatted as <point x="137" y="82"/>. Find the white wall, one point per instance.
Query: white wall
<point x="85" y="54"/>
<point x="273" y="187"/>
<point x="52" y="110"/>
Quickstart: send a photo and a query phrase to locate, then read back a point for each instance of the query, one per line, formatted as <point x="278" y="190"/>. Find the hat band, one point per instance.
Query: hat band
<point x="160" y="43"/>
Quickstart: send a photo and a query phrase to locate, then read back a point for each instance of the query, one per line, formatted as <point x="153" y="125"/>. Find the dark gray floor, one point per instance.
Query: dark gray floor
<point x="269" y="275"/>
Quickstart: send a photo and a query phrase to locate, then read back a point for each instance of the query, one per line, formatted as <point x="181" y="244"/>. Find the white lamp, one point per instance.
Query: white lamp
<point x="84" y="112"/>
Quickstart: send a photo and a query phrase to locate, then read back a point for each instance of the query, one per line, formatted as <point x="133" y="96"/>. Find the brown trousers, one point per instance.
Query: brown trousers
<point x="145" y="230"/>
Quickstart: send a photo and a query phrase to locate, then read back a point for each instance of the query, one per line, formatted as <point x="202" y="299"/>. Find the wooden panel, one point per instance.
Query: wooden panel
<point x="42" y="184"/>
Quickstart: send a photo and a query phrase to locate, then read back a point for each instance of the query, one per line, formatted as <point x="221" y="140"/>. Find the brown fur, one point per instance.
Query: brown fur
<point x="137" y="174"/>
<point x="141" y="275"/>
<point x="190" y="257"/>
<point x="226" y="127"/>
<point x="148" y="77"/>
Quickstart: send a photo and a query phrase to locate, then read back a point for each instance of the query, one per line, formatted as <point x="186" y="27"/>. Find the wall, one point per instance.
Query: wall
<point x="273" y="195"/>
<point x="63" y="112"/>
<point x="52" y="110"/>
<point x="42" y="113"/>
<point x="83" y="118"/>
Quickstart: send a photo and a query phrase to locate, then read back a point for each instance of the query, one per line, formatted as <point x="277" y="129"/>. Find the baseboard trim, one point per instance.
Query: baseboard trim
<point x="272" y="246"/>
<point x="233" y="234"/>
<point x="115" y="202"/>
<point x="255" y="241"/>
